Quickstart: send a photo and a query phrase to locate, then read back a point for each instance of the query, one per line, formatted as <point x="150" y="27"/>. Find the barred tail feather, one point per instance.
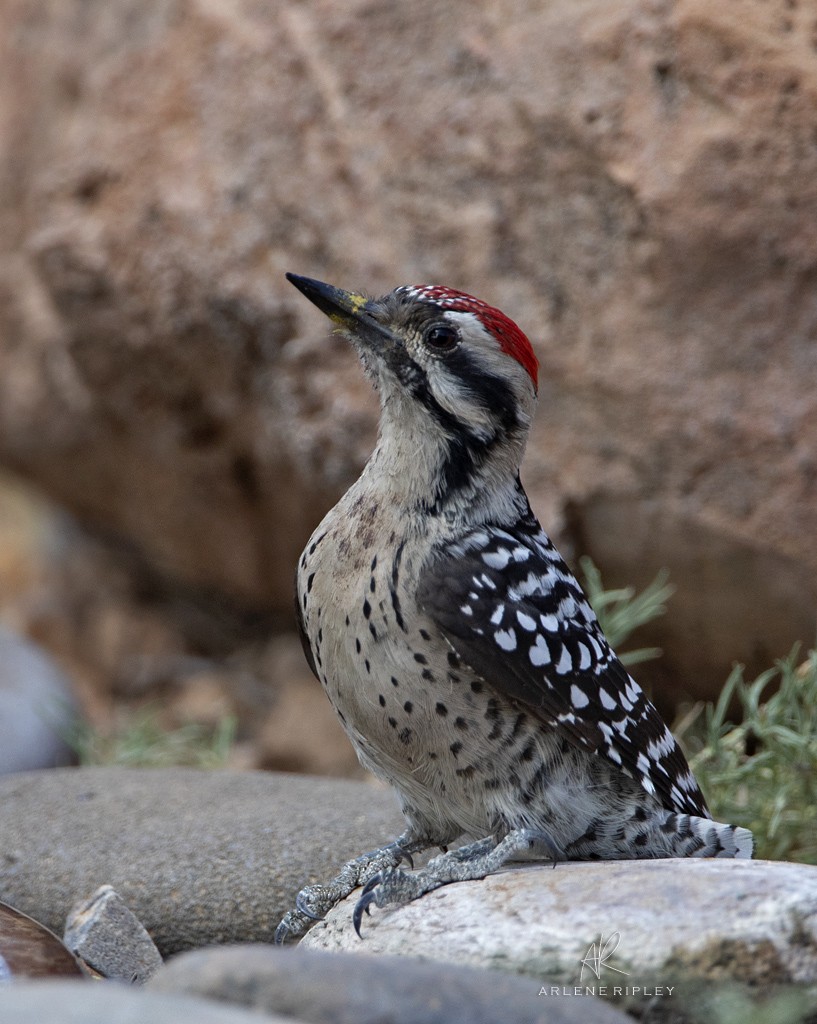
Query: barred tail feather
<point x="732" y="841"/>
<point x="684" y="835"/>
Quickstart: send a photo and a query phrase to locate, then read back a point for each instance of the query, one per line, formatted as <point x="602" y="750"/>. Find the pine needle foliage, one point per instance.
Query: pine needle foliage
<point x="139" y="740"/>
<point x="754" y="750"/>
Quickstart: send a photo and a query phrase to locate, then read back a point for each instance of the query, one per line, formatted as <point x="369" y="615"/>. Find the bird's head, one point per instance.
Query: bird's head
<point x="457" y="379"/>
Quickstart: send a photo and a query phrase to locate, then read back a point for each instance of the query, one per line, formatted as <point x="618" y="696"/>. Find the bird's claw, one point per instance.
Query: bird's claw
<point x="402" y="855"/>
<point x="292" y="924"/>
<point x="367" y="897"/>
<point x="303" y="906"/>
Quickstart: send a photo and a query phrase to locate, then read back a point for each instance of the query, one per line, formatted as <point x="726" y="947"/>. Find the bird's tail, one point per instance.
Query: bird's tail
<point x="685" y="835"/>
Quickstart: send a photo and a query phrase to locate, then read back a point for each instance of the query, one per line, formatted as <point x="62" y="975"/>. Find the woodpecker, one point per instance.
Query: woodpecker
<point x="455" y="645"/>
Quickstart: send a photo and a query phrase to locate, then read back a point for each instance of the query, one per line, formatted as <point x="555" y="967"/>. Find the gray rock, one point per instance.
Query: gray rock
<point x="36" y="706"/>
<point x="337" y="988"/>
<point x="680" y="923"/>
<point x="200" y="857"/>
<point x="85" y="1002"/>
<point x="107" y="936"/>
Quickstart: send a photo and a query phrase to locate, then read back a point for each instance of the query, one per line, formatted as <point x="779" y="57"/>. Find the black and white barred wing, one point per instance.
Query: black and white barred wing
<point x="513" y="611"/>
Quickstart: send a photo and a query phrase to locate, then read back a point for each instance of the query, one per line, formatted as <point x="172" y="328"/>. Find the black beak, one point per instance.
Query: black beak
<point x="356" y="316"/>
<point x="346" y="309"/>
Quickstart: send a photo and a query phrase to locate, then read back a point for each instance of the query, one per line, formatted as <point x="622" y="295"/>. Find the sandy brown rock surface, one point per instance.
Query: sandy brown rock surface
<point x="635" y="183"/>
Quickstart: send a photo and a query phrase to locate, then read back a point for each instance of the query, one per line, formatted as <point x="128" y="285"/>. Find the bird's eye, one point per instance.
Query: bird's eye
<point x="441" y="337"/>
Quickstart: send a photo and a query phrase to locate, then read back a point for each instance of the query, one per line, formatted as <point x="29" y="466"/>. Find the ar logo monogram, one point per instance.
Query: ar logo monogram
<point x="599" y="954"/>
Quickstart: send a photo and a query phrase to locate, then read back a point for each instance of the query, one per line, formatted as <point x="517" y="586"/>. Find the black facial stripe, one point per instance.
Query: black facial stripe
<point x="484" y="387"/>
<point x="479" y="387"/>
<point x="414" y="377"/>
<point x="466" y="448"/>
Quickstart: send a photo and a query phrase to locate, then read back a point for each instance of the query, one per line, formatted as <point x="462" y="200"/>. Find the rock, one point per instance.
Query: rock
<point x="635" y="183"/>
<point x="199" y="857"/>
<point x="37" y="707"/>
<point x="126" y="641"/>
<point x="678" y="923"/>
<point x="107" y="936"/>
<point x="28" y="950"/>
<point x="85" y="1002"/>
<point x="340" y="988"/>
<point x="301" y="732"/>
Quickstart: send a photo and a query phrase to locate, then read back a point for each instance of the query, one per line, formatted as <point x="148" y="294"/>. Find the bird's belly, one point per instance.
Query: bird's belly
<point x="464" y="759"/>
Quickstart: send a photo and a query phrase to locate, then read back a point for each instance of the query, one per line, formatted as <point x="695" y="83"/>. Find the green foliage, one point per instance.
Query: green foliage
<point x="140" y="741"/>
<point x="732" y="1004"/>
<point x="762" y="772"/>
<point x="620" y="612"/>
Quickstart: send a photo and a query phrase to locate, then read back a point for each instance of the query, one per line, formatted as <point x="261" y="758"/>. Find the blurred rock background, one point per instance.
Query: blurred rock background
<point x="634" y="182"/>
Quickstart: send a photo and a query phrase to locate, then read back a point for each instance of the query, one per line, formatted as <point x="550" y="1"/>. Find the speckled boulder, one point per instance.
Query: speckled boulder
<point x="200" y="857"/>
<point x="651" y="925"/>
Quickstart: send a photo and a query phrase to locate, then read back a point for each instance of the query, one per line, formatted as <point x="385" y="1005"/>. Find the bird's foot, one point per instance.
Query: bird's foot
<point x="314" y="902"/>
<point x="393" y="886"/>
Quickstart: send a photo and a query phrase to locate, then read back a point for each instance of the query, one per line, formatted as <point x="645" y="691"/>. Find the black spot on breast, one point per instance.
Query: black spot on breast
<point x="460" y="723"/>
<point x="493" y="711"/>
<point x="465" y="773"/>
<point x="441" y="709"/>
<point x="453" y="660"/>
<point x="313" y="546"/>
<point x="455" y="748"/>
<point x="425" y="634"/>
<point x="476" y="686"/>
<point x="367" y="609"/>
<point x="421" y="659"/>
<point x="309" y="581"/>
<point x="405" y="735"/>
<point x="428" y="675"/>
<point x="357" y="645"/>
<point x="394" y="682"/>
<point x="382" y="700"/>
<point x="517" y="725"/>
<point x="528" y="751"/>
<point x="408" y="707"/>
<point x="393" y="722"/>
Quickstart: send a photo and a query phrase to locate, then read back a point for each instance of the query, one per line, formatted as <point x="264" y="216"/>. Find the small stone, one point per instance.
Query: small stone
<point x="111" y="939"/>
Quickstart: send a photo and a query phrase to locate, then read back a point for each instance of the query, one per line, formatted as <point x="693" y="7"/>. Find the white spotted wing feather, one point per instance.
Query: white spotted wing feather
<point x="512" y="610"/>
